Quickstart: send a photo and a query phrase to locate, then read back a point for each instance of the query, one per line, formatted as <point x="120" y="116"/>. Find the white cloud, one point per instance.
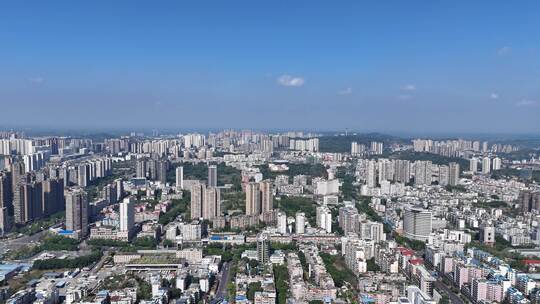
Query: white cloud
<point x="408" y="87"/>
<point x="290" y="81"/>
<point x="346" y="91"/>
<point x="36" y="80"/>
<point x="494" y="96"/>
<point x="526" y="103"/>
<point x="505" y="50"/>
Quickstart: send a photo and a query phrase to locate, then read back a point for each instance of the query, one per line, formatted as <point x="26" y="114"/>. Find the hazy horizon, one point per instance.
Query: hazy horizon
<point x="70" y="131"/>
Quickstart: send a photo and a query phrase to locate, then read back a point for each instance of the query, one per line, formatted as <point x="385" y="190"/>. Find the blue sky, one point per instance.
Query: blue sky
<point x="389" y="66"/>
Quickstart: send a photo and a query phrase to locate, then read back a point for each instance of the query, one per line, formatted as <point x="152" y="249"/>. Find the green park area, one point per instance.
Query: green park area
<point x="293" y="204"/>
<point x="42" y="224"/>
<point x="199" y="171"/>
<point x="434" y="158"/>
<point x="179" y="207"/>
<point x="281" y="279"/>
<point x="139" y="243"/>
<point x="309" y="169"/>
<point x="342" y="143"/>
<point x="336" y="267"/>
<point x="49" y="243"/>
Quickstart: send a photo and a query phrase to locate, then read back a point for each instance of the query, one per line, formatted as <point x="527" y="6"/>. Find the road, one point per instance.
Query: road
<point x="223" y="282"/>
<point x="454" y="298"/>
<point x="100" y="263"/>
<point x="17" y="243"/>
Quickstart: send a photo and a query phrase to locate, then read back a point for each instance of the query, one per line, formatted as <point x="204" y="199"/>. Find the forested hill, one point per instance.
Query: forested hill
<point x="342" y="143"/>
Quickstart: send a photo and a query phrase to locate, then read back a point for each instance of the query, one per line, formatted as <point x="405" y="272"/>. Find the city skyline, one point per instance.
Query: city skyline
<point x="414" y="67"/>
<point x="447" y="220"/>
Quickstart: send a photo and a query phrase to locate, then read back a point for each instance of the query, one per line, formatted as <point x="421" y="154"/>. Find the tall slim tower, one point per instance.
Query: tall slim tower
<point x="372" y="174"/>
<point x="77" y="211"/>
<point x="179" y="178"/>
<point x="6" y="198"/>
<point x="473" y="165"/>
<point x="263" y="248"/>
<point x="453" y="179"/>
<point x="212" y="203"/>
<point x="6" y="190"/>
<point x="127" y="214"/>
<point x="83" y="175"/>
<point x="212" y="176"/>
<point x="324" y="218"/>
<point x="5" y="222"/>
<point x="300" y="222"/>
<point x="18" y="177"/>
<point x="53" y="196"/>
<point x="486" y="165"/>
<point x="197" y="193"/>
<point x="31" y="198"/>
<point x="161" y="166"/>
<point x="267" y="196"/>
<point x="142" y="167"/>
<point x="444" y="175"/>
<point x="282" y="223"/>
<point x="497" y="163"/>
<point x="119" y="189"/>
<point x="253" y="199"/>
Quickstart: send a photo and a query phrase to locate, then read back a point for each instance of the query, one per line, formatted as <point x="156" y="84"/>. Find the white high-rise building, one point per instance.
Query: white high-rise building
<point x="422" y="172"/>
<point x="357" y="149"/>
<point x="300" y="222"/>
<point x="180" y="178"/>
<point x="376" y="147"/>
<point x="324" y="218"/>
<point x="194" y="140"/>
<point x="327" y="187"/>
<point x="497" y="163"/>
<point x="417" y="223"/>
<point x="354" y="148"/>
<point x="416" y="296"/>
<point x="127" y="214"/>
<point x="311" y="144"/>
<point x="473" y="165"/>
<point x="385" y="187"/>
<point x="486" y="165"/>
<point x="444" y="175"/>
<point x="372" y="174"/>
<point x="282" y="223"/>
